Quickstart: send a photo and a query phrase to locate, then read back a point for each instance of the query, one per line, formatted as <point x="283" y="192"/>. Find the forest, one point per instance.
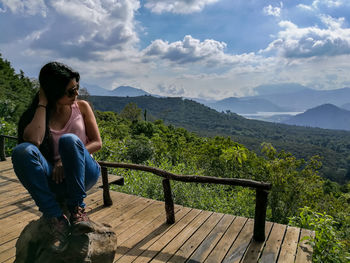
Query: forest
<point x="300" y="196"/>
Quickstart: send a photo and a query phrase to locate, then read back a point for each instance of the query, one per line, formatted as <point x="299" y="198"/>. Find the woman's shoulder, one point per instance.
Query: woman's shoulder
<point x="84" y="106"/>
<point x="83" y="103"/>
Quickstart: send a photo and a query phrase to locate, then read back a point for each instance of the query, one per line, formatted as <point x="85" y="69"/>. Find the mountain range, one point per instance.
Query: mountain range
<point x="121" y="91"/>
<point x="296" y="99"/>
<point x="288" y="97"/>
<point x="274" y="103"/>
<point x="308" y="98"/>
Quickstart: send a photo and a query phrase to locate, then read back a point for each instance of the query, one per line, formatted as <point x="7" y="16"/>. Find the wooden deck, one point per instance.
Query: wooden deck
<point x="143" y="235"/>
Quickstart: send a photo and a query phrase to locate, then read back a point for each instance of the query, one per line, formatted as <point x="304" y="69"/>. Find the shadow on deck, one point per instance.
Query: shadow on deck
<point x="144" y="236"/>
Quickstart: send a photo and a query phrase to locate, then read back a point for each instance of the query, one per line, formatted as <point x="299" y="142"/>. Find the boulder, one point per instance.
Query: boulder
<point x="88" y="243"/>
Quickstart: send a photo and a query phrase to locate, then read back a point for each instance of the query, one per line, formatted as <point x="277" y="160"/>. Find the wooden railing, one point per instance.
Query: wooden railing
<point x="262" y="188"/>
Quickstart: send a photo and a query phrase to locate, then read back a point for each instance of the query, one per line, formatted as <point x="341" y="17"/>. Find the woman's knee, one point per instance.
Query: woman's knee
<point x="24" y="151"/>
<point x="66" y="141"/>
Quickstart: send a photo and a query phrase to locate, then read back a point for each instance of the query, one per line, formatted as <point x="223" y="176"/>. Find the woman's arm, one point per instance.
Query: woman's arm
<point x="92" y="132"/>
<point x="34" y="132"/>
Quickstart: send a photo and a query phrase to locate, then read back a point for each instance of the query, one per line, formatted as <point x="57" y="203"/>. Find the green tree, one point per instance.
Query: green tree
<point x="131" y="112"/>
<point x="139" y="149"/>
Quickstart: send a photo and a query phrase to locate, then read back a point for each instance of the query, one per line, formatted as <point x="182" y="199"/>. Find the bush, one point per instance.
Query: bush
<point x="327" y="247"/>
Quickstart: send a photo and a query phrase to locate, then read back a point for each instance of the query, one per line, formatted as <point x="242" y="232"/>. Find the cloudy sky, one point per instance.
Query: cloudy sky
<point x="190" y="48"/>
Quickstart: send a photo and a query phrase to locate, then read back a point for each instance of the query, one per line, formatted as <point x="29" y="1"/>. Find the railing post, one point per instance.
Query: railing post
<point x="169" y="203"/>
<point x="2" y="148"/>
<point x="260" y="215"/>
<point x="107" y="200"/>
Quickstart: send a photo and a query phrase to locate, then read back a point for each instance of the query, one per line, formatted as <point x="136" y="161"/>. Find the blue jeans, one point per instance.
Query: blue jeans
<point x="81" y="172"/>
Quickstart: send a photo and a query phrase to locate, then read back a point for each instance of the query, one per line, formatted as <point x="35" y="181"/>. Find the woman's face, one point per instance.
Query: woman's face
<point x="71" y="93"/>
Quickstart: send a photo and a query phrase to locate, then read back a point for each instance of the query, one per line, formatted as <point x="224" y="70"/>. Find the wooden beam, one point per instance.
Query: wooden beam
<point x="260" y="215"/>
<point x="169" y="203"/>
<point x="107" y="200"/>
<point x="191" y="178"/>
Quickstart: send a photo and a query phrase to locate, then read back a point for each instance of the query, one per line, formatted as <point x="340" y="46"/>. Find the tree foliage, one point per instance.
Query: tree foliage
<point x="131" y="112"/>
<point x="16" y="92"/>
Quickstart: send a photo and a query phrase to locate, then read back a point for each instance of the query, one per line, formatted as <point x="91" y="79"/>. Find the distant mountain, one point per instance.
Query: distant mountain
<point x="122" y="91"/>
<point x="203" y="101"/>
<point x="125" y="91"/>
<point x="289" y="97"/>
<point x="245" y="105"/>
<point x="345" y="106"/>
<point x="285" y="88"/>
<point x="308" y="98"/>
<point x="327" y="116"/>
<point x="95" y="89"/>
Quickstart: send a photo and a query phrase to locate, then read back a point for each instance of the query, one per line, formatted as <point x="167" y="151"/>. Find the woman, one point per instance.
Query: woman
<point x="57" y="135"/>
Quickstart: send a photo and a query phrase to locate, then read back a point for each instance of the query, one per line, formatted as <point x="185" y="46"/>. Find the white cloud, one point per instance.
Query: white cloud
<point x="317" y="5"/>
<point x="328" y="3"/>
<point x="27" y="7"/>
<point x="208" y="53"/>
<point x="84" y="29"/>
<point x="187" y="51"/>
<point x="177" y="6"/>
<point x="305" y="7"/>
<point x="172" y="89"/>
<point x="295" y="42"/>
<point x="273" y="11"/>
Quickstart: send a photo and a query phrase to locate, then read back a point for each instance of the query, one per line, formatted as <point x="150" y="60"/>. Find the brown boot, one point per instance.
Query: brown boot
<point x="78" y="215"/>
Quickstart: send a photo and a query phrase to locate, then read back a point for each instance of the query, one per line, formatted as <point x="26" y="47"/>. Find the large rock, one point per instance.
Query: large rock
<point x="88" y="243"/>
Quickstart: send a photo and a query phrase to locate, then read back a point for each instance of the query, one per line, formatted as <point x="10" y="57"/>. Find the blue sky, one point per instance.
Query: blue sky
<point x="191" y="48"/>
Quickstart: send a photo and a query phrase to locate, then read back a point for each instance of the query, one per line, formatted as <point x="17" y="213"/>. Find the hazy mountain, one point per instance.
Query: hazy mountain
<point x="326" y="116"/>
<point x="95" y="89"/>
<point x="285" y="88"/>
<point x="125" y="91"/>
<point x="308" y="98"/>
<point x="346" y="106"/>
<point x="245" y="105"/>
<point x="122" y="91"/>
<point x="203" y="101"/>
<point x="288" y="97"/>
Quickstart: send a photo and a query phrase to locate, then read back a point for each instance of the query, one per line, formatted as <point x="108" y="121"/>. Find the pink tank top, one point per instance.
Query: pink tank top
<point x="74" y="125"/>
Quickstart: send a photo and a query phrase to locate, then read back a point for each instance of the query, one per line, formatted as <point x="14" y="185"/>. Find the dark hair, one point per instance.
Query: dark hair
<point x="54" y="78"/>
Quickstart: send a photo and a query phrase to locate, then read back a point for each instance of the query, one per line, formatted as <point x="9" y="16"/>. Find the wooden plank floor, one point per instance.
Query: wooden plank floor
<point x="143" y="235"/>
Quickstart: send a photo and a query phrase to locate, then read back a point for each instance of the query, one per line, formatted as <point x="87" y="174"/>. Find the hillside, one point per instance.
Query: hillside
<point x="333" y="146"/>
<point x="327" y="116"/>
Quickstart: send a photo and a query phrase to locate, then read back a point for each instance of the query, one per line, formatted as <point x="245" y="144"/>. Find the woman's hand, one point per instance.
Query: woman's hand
<point x="42" y="97"/>
<point x="58" y="173"/>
